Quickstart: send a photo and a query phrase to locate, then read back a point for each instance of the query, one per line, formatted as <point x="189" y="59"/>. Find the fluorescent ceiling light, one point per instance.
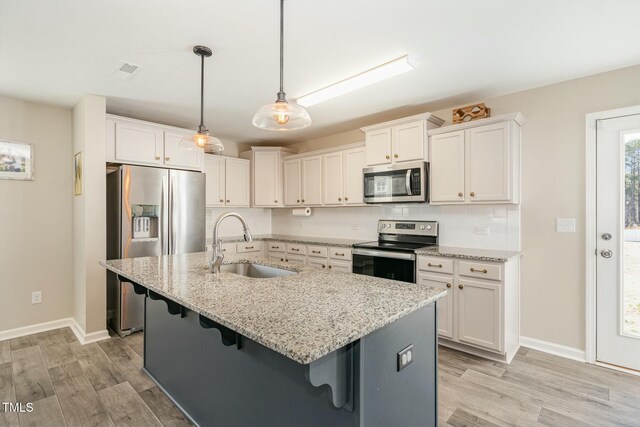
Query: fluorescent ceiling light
<point x="366" y="78"/>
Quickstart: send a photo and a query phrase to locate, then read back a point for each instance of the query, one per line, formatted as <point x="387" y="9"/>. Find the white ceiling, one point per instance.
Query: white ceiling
<point x="54" y="51"/>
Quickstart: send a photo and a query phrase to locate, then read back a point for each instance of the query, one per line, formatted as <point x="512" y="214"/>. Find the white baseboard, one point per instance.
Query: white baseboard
<point x="82" y="336"/>
<point x="555" y="349"/>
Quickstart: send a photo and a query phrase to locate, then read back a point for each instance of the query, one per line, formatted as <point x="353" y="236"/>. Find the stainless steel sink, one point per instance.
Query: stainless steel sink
<point x="255" y="271"/>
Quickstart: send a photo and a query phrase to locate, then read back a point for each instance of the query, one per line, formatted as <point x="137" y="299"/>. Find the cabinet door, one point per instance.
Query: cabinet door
<point x="408" y="142"/>
<point x="237" y="182"/>
<point x="343" y="266"/>
<point x="446" y="175"/>
<point x="266" y="178"/>
<point x="445" y="305"/>
<point x="378" y="147"/>
<point x="139" y="144"/>
<point x="312" y="180"/>
<point x="214" y="169"/>
<point x="354" y="162"/>
<point x="479" y="317"/>
<point x="488" y="174"/>
<point x="296" y="259"/>
<point x="181" y="152"/>
<point x="292" y="178"/>
<point x="317" y="262"/>
<point x="333" y="179"/>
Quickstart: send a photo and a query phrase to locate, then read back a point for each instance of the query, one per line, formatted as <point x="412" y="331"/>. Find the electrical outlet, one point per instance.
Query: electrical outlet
<point x="36" y="297"/>
<point x="405" y="357"/>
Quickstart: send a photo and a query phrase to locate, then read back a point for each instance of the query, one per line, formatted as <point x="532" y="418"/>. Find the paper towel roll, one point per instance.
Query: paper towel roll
<point x="301" y="212"/>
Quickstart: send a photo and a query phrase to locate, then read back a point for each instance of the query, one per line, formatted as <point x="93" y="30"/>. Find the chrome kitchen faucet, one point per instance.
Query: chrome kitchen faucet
<point x="218" y="256"/>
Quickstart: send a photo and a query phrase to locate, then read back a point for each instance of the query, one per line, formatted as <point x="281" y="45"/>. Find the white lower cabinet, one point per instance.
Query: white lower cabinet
<point x="343" y="266"/>
<point x="481" y="313"/>
<point x="296" y="259"/>
<point x="328" y="257"/>
<point x="317" y="262"/>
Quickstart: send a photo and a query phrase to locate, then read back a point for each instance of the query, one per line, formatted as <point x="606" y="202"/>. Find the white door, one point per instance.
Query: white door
<point x="408" y="142"/>
<point x="180" y="152"/>
<point x="488" y="168"/>
<point x="618" y="241"/>
<point x="378" y="146"/>
<point x="137" y="143"/>
<point x="333" y="179"/>
<point x="445" y="305"/>
<point x="354" y="161"/>
<point x="312" y="180"/>
<point x="446" y="179"/>
<point x="292" y="181"/>
<point x="266" y="178"/>
<point x="215" y="180"/>
<point x="479" y="319"/>
<point x="237" y="182"/>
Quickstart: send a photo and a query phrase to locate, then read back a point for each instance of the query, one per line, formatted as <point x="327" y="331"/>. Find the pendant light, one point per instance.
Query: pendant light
<point x="202" y="138"/>
<point x="281" y="115"/>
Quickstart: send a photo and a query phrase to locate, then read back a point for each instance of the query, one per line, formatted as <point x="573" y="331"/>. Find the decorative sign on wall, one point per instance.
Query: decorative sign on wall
<point x="16" y="160"/>
<point x="77" y="174"/>
<point x="471" y="112"/>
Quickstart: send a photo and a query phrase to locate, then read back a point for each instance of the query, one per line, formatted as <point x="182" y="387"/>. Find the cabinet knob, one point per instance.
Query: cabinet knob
<point x="286" y="260"/>
<point x="395" y="156"/>
<point x="387" y="157"/>
<point x="228" y="201"/>
<point x="275" y="201"/>
<point x="167" y="158"/>
<point x="323" y="266"/>
<point x="339" y="199"/>
<point x="472" y="194"/>
<point x="460" y="287"/>
<point x="302" y="200"/>
<point x="281" y="259"/>
<point x="448" y="285"/>
<point x="298" y="201"/>
<point x="221" y="200"/>
<point x="346" y="198"/>
<point x="330" y="266"/>
<point x="459" y="194"/>
<point x="157" y="157"/>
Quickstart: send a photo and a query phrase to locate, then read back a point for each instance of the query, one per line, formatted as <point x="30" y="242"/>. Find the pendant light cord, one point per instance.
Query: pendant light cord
<point x="201" y="128"/>
<point x="281" y="94"/>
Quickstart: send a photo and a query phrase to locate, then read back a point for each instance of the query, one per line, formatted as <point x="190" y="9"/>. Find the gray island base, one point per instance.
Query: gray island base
<point x="220" y="378"/>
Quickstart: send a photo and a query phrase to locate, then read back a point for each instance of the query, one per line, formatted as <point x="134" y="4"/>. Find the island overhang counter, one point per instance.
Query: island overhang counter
<point x="313" y="348"/>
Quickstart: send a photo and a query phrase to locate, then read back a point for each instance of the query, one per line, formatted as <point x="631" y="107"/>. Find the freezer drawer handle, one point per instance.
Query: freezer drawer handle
<point x="228" y="336"/>
<point x="173" y="307"/>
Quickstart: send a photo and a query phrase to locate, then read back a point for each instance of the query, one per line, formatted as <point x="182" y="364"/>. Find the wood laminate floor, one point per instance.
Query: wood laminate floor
<point x="102" y="385"/>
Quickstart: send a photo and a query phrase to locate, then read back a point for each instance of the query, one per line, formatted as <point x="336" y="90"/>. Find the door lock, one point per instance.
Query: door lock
<point x="606" y="253"/>
<point x="606" y="236"/>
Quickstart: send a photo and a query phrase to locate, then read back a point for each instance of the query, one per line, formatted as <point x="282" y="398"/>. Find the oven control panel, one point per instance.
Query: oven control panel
<point x="421" y="228"/>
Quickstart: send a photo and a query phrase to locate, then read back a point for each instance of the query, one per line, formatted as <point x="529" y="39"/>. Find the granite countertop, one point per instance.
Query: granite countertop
<point x="323" y="241"/>
<point x="302" y="316"/>
<point x="468" y="253"/>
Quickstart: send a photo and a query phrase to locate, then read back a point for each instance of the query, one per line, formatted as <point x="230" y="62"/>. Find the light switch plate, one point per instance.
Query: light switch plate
<point x="565" y="225"/>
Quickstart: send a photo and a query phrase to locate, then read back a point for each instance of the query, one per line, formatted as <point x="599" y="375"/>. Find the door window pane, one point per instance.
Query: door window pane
<point x="631" y="280"/>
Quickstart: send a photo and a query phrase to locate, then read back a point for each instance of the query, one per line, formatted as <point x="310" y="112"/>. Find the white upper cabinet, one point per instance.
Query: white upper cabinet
<point x="489" y="163"/>
<point x="138" y="143"/>
<point x="447" y="167"/>
<point x="214" y="167"/>
<point x="403" y="140"/>
<point x="266" y="175"/>
<point x="354" y="162"/>
<point x="181" y="152"/>
<point x="227" y="181"/>
<point x="312" y="180"/>
<point x="237" y="173"/>
<point x="409" y="142"/>
<point x="378" y="146"/>
<point x="292" y="182"/>
<point x="333" y="179"/>
<point x="476" y="162"/>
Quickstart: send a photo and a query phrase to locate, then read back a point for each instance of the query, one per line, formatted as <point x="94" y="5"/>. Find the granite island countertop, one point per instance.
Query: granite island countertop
<point x="303" y="316"/>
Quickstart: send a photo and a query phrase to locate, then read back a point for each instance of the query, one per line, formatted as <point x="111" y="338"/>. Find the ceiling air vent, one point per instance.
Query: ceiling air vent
<point x="126" y="70"/>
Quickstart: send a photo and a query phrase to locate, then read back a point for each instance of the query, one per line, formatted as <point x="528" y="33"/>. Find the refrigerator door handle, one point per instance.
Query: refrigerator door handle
<point x="173" y="235"/>
<point x="164" y="209"/>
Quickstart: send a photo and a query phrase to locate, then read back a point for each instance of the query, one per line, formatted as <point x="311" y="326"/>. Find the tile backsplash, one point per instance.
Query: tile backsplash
<point x="479" y="226"/>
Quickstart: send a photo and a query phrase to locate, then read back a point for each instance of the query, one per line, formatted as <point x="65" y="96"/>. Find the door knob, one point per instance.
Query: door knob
<point x="606" y="236"/>
<point x="606" y="253"/>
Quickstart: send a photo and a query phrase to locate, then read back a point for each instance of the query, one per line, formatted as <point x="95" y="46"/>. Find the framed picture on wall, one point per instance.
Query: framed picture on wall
<point x="16" y="160"/>
<point x="77" y="174"/>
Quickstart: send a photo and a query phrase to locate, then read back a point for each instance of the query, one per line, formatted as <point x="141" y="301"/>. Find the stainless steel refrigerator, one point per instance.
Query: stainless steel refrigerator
<point x="150" y="212"/>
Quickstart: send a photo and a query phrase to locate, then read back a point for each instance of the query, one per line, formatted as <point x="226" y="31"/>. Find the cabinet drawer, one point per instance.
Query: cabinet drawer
<point x="228" y="248"/>
<point x="276" y="246"/>
<point x="435" y="264"/>
<point x="481" y="270"/>
<point x="296" y="249"/>
<point x="317" y="251"/>
<point x="249" y="247"/>
<point x="340" y="253"/>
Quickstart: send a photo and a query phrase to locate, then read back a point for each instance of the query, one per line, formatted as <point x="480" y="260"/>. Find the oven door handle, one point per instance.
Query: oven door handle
<point x="383" y="254"/>
<point x="408" y="182"/>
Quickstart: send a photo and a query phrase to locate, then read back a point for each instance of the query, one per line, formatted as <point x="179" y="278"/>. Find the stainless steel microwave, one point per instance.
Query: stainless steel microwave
<point x="407" y="182"/>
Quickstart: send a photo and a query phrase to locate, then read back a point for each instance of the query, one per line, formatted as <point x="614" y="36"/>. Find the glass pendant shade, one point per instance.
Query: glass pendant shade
<point x="281" y="116"/>
<point x="210" y="143"/>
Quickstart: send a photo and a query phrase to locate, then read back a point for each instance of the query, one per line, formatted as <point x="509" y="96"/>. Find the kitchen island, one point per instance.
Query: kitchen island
<point x="306" y="348"/>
